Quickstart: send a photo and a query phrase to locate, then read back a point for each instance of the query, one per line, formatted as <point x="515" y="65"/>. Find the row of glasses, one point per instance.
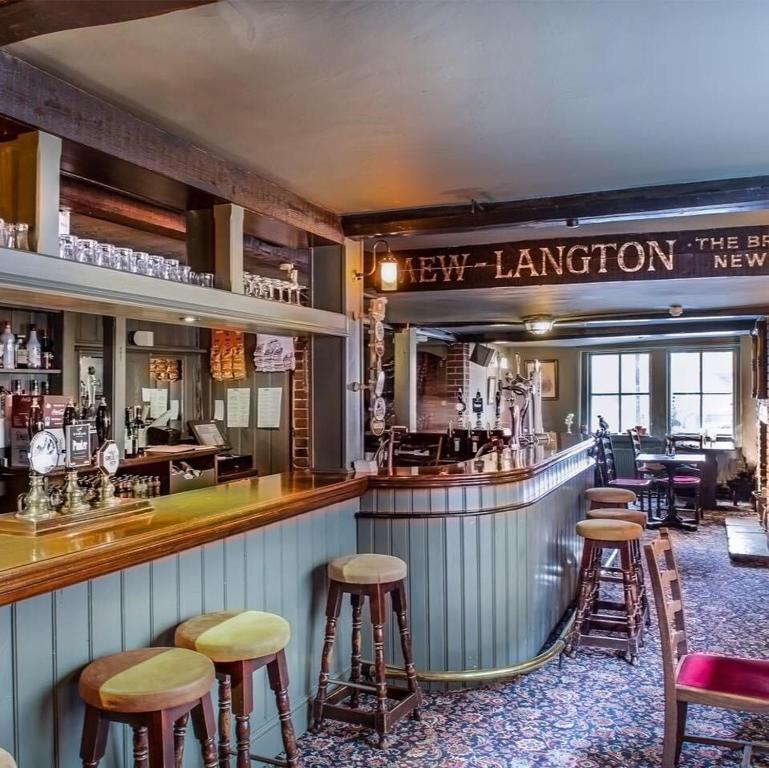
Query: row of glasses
<point x="272" y="288"/>
<point x="14" y="235"/>
<point x="87" y="251"/>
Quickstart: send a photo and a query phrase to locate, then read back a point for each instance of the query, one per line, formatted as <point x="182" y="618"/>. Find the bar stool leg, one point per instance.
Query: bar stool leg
<point x="205" y="731"/>
<point x="631" y="599"/>
<point x="93" y="744"/>
<point x="400" y="608"/>
<point x="161" y="740"/>
<point x="355" y="661"/>
<point x="587" y="577"/>
<point x="180" y="728"/>
<point x="376" y="602"/>
<point x="141" y="747"/>
<point x="242" y="706"/>
<point x="225" y="720"/>
<point x="277" y="672"/>
<point x="333" y="606"/>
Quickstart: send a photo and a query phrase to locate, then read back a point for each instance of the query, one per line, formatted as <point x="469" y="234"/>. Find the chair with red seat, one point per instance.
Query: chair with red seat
<point x="727" y="682"/>
<point x="607" y="470"/>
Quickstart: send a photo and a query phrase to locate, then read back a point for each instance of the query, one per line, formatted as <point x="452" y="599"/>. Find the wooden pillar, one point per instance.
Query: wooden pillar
<point x="228" y="247"/>
<point x="406" y="378"/>
<point x="115" y="342"/>
<point x="354" y="351"/>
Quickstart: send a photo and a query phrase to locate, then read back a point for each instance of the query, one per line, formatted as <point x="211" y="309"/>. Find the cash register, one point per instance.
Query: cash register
<point x="229" y="465"/>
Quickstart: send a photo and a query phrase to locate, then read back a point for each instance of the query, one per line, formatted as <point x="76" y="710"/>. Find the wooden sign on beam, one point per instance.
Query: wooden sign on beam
<point x="740" y="251"/>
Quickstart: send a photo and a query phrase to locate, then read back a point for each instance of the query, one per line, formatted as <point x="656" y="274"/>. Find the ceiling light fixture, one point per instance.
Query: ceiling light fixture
<point x="572" y="223"/>
<point x="676" y="310"/>
<point x="388" y="268"/>
<point x="189" y="319"/>
<point x="539" y="325"/>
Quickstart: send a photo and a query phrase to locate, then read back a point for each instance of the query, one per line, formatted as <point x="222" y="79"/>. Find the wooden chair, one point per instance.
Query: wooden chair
<point x="728" y="682"/>
<point x="607" y="471"/>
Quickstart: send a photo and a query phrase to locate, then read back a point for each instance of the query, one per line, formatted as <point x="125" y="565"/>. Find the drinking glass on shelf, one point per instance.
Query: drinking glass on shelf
<point x="3" y="234"/>
<point x="171" y="269"/>
<point x="103" y="255"/>
<point x="22" y="236"/>
<point x="185" y="273"/>
<point x="140" y="262"/>
<point x="207" y="279"/>
<point x="155" y="266"/>
<point x="123" y="258"/>
<point x="84" y="252"/>
<point x="67" y="247"/>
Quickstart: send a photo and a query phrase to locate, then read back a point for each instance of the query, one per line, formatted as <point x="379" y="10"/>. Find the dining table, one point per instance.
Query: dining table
<point x="672" y="464"/>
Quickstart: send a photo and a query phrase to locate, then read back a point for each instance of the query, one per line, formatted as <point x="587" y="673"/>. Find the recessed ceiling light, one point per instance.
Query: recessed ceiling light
<point x="189" y="319"/>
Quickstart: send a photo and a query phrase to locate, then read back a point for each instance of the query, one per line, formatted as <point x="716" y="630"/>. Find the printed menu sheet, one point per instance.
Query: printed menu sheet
<point x="238" y="406"/>
<point x="268" y="407"/>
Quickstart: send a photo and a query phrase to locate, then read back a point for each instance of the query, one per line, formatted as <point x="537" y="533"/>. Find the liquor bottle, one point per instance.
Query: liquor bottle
<point x="34" y="388"/>
<point x="8" y="342"/>
<point x="70" y="414"/>
<point x="140" y="428"/>
<point x="46" y="346"/>
<point x="44" y="388"/>
<point x="34" y="349"/>
<point x="17" y="389"/>
<point x="21" y="352"/>
<point x="130" y="438"/>
<point x="35" y="421"/>
<point x="103" y="422"/>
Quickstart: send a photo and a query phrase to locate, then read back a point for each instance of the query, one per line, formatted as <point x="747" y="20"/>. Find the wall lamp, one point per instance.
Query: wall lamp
<point x="388" y="268"/>
<point x="539" y="325"/>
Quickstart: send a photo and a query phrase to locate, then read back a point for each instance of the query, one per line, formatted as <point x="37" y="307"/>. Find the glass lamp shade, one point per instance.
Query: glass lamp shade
<point x="388" y="273"/>
<point x="538" y="324"/>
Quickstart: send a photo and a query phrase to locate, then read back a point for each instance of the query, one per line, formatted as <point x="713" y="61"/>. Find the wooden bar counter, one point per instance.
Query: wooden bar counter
<point x="492" y="554"/>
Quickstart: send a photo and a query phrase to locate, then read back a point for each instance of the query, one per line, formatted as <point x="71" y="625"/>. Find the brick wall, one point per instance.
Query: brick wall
<point x="300" y="412"/>
<point x="438" y="382"/>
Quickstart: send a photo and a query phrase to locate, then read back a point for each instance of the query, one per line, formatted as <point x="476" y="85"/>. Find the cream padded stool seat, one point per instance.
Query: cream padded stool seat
<point x="239" y="643"/>
<point x="6" y="761"/>
<point x="614" y="497"/>
<point x="367" y="569"/>
<point x="628" y="515"/>
<point x="234" y="635"/>
<point x="609" y="530"/>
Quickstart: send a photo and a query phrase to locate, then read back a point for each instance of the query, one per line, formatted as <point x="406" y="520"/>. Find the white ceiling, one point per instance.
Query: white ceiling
<point x="372" y="105"/>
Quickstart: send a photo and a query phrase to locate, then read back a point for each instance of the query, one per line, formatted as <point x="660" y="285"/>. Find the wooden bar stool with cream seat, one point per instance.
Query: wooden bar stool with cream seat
<point x="615" y="574"/>
<point x="593" y="626"/>
<point x="606" y="497"/>
<point x="239" y="643"/>
<point x="6" y="761"/>
<point x="374" y="577"/>
<point x="153" y="690"/>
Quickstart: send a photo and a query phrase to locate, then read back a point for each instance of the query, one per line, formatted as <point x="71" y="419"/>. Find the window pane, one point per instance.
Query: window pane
<point x="606" y="406"/>
<point x="635" y="373"/>
<point x="685" y="372"/>
<point x="718" y="414"/>
<point x="717" y="372"/>
<point x="604" y="373"/>
<point x="685" y="413"/>
<point x="635" y="411"/>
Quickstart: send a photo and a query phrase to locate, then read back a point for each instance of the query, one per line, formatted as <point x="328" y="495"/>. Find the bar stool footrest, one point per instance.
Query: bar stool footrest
<point x="259" y="759"/>
<point x="407" y="702"/>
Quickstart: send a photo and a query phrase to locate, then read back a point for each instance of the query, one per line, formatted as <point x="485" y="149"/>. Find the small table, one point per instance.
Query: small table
<point x="671" y="463"/>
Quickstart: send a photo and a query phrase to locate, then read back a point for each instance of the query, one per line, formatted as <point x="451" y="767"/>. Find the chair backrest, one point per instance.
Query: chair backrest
<point x="635" y="446"/>
<point x="607" y="470"/>
<point x="692" y="442"/>
<point x="666" y="586"/>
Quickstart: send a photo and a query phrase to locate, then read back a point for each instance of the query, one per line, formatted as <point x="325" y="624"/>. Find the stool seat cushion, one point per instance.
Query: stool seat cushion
<point x="609" y="530"/>
<point x="234" y="635"/>
<point x="628" y="515"/>
<point x="610" y="495"/>
<point x="147" y="680"/>
<point x="367" y="569"/>
<point x="6" y="761"/>
<point x="746" y="681"/>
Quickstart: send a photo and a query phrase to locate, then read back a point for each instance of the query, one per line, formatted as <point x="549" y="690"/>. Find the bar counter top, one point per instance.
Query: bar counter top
<point x="32" y="565"/>
<point x="490" y="469"/>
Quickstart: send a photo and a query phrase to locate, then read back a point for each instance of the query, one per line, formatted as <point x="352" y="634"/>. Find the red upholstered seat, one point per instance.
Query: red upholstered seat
<point x="630" y="482"/>
<point x="685" y="480"/>
<point x="743" y="679"/>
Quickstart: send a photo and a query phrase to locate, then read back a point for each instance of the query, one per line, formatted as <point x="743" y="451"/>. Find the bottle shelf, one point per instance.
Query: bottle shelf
<point x="31" y="371"/>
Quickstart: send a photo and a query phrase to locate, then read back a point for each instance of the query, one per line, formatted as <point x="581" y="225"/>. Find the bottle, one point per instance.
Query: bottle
<point x="140" y="428"/>
<point x="34" y="388"/>
<point x="34" y="349"/>
<point x="44" y="388"/>
<point x="69" y="414"/>
<point x="46" y="347"/>
<point x="21" y="352"/>
<point x="103" y="422"/>
<point x="35" y="421"/>
<point x="8" y="342"/>
<point x="17" y="390"/>
<point x="130" y="438"/>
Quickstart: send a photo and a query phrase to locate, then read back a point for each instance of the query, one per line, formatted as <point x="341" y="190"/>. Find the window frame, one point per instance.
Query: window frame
<point x="590" y="394"/>
<point x="734" y="351"/>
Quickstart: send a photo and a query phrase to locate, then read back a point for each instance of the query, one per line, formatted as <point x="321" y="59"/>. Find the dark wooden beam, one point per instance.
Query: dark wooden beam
<point x="46" y="102"/>
<point x="716" y="196"/>
<point x="21" y="19"/>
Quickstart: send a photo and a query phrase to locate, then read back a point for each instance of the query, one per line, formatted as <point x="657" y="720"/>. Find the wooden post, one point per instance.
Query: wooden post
<point x="228" y="247"/>
<point x="406" y="378"/>
<point x="115" y="342"/>
<point x="353" y="289"/>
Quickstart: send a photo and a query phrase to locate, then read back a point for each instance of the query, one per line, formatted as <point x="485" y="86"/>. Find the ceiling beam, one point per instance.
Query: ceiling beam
<point x="41" y="100"/>
<point x="22" y="19"/>
<point x="716" y="196"/>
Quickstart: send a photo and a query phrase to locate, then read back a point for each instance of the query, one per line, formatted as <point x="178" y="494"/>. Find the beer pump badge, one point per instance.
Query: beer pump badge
<point x="43" y="452"/>
<point x="108" y="457"/>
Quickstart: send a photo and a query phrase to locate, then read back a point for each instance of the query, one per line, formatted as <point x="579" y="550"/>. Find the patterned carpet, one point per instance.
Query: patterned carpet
<point x="595" y="711"/>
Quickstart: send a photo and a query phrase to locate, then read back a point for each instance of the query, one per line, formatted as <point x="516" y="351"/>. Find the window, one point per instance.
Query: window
<point x="619" y="390"/>
<point x="702" y="392"/>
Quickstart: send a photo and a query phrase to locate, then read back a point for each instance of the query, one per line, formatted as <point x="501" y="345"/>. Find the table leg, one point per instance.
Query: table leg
<point x="672" y="518"/>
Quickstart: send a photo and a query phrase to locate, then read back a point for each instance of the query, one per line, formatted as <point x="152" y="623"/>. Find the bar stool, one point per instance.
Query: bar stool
<point x="369" y="576"/>
<point x="153" y="690"/>
<point x="626" y="617"/>
<point x="239" y="643"/>
<point x="6" y="761"/>
<point x="629" y="516"/>
<point x="600" y="498"/>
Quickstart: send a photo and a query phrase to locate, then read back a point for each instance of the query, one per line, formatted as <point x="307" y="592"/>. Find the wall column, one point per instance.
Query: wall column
<point x="406" y="378"/>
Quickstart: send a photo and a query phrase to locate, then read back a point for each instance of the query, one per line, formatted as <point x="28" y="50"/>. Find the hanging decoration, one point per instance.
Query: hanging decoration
<point x="274" y="353"/>
<point x="228" y="356"/>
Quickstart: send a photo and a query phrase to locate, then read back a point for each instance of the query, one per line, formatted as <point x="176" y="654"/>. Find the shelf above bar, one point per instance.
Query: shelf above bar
<point x="28" y="278"/>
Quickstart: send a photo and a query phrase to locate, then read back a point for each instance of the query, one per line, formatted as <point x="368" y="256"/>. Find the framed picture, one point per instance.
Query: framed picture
<point x="491" y="390"/>
<point x="549" y="377"/>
